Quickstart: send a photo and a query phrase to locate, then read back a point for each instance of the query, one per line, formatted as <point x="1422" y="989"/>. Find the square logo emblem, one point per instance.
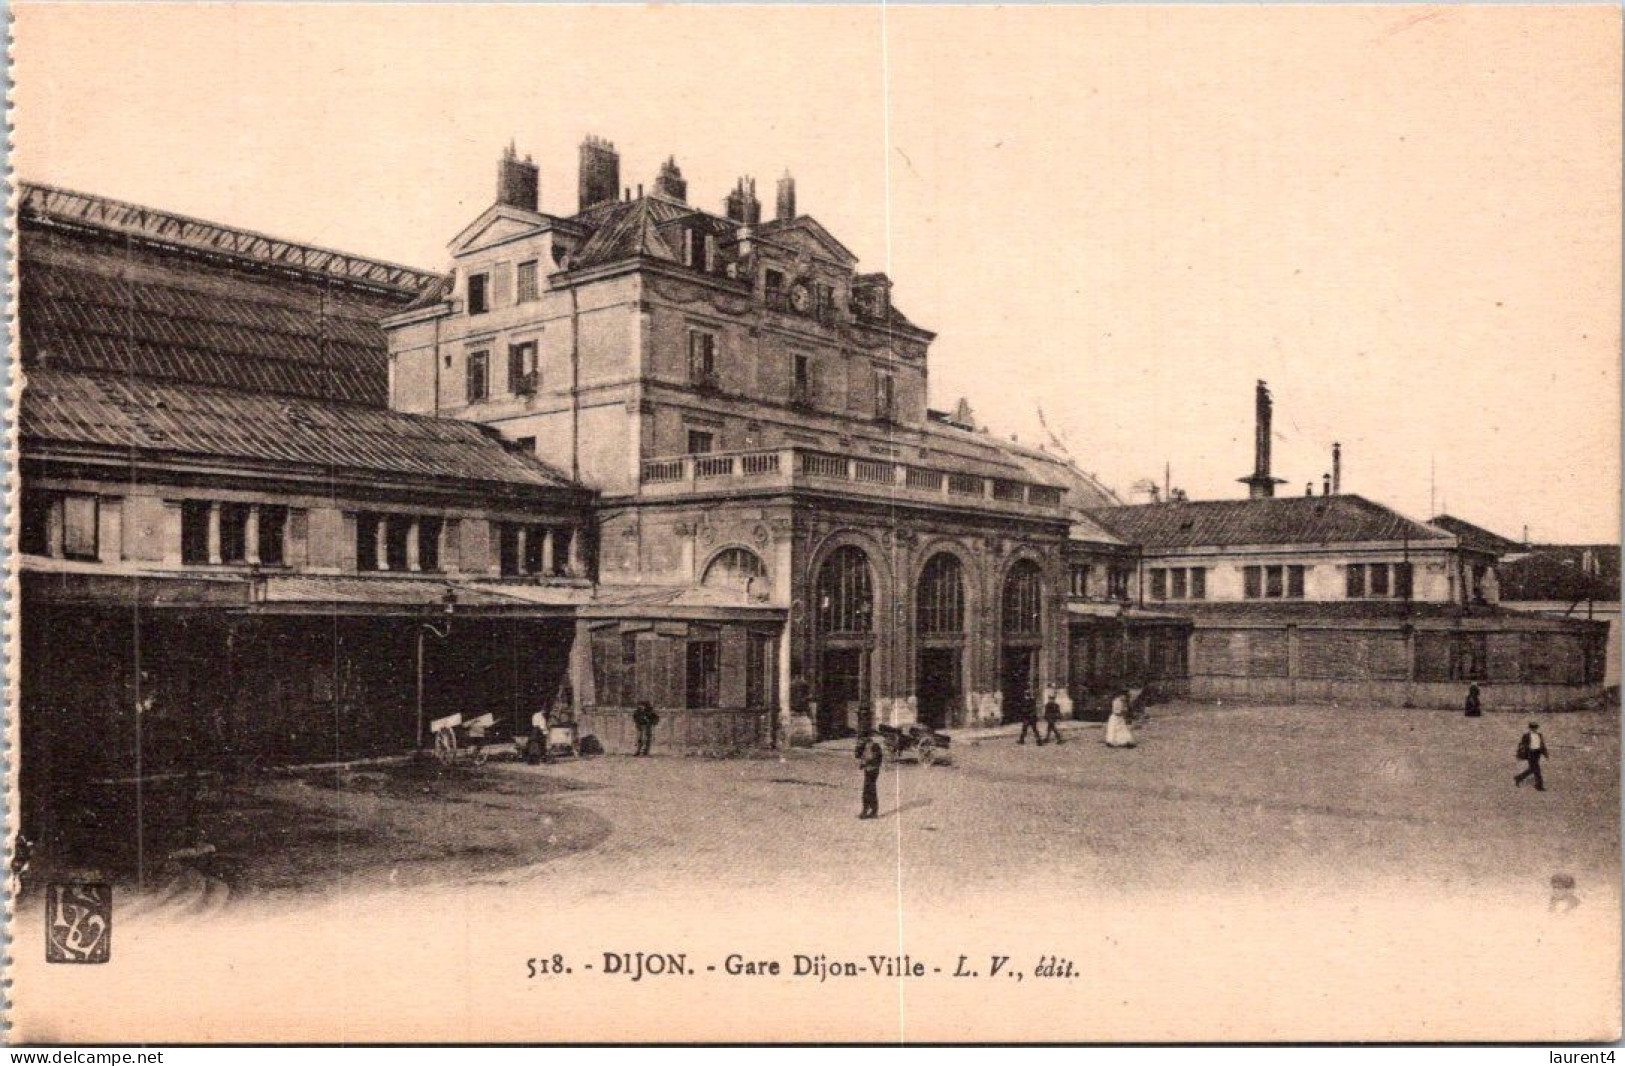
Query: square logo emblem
<point x="78" y="923"/>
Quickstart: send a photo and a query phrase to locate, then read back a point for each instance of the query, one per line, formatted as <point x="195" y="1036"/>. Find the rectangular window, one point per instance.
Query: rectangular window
<point x="479" y="376"/>
<point x="710" y="253"/>
<point x="801" y="379"/>
<point x="525" y="274"/>
<point x="704" y="673"/>
<point x="773" y="286"/>
<point x="1294" y="582"/>
<point x="1159" y="584"/>
<point x="1253" y="582"/>
<point x="195" y="532"/>
<point x="826" y="301"/>
<point x="397" y="532"/>
<point x="1354" y="581"/>
<point x="702" y="357"/>
<point x="366" y="540"/>
<point x="233" y="532"/>
<point x="429" y="543"/>
<point x="535" y="544"/>
<point x="561" y="550"/>
<point x="79" y="520"/>
<point x="1198" y="583"/>
<point x="759" y="672"/>
<point x="1177" y="587"/>
<point x="700" y="442"/>
<point x="478" y="298"/>
<point x="885" y="395"/>
<point x="1379" y="579"/>
<point x="522" y="376"/>
<point x="1080" y="581"/>
<point x="508" y="560"/>
<point x="272" y="534"/>
<point x="1404" y="580"/>
<point x="34" y="538"/>
<point x="525" y="444"/>
<point x="1117" y="579"/>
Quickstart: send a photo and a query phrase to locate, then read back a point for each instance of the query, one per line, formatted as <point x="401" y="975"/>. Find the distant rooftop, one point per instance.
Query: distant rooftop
<point x="1338" y="519"/>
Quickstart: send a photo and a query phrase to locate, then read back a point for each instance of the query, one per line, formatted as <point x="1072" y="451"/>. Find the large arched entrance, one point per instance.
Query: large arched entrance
<point x="843" y="599"/>
<point x="939" y="631"/>
<point x="1021" y="637"/>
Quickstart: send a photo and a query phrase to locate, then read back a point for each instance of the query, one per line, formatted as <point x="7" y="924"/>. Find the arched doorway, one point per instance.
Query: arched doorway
<point x="939" y="631"/>
<point x="843" y="614"/>
<point x="1021" y="636"/>
<point x="737" y="569"/>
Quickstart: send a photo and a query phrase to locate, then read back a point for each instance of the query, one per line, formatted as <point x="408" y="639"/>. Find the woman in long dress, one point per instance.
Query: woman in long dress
<point x="1118" y="734"/>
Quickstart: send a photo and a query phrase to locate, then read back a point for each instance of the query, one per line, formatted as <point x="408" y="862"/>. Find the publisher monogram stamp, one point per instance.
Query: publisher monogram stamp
<point x="78" y="923"/>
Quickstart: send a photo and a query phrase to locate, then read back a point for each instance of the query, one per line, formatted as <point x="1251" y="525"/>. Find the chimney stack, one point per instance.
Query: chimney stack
<point x="600" y="172"/>
<point x="1260" y="484"/>
<point x="1325" y="484"/>
<point x="1337" y="468"/>
<point x="787" y="198"/>
<point x="669" y="182"/>
<point x="741" y="205"/>
<point x="518" y="182"/>
<point x="1308" y="488"/>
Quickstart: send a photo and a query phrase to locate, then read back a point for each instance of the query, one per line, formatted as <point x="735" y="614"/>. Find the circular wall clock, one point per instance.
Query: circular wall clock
<point x="801" y="297"/>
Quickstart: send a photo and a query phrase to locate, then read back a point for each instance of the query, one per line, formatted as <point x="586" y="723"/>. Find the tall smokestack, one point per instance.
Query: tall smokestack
<point x="1260" y="484"/>
<point x="1337" y="468"/>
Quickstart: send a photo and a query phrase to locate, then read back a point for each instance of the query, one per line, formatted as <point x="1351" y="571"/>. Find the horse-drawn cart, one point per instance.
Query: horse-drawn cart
<point x="916" y="743"/>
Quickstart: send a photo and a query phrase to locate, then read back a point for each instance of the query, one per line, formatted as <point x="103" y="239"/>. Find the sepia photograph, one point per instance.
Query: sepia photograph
<point x="785" y="524"/>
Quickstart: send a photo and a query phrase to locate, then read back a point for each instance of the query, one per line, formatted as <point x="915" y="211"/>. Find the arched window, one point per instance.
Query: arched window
<point x="845" y="600"/>
<point x="1024" y="599"/>
<point x="736" y="568"/>
<point x="940" y="599"/>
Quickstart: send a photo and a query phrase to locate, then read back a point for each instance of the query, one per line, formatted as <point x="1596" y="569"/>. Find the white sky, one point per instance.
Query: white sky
<point x="1406" y="219"/>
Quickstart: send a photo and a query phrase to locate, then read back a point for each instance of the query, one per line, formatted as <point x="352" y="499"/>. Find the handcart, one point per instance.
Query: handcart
<point x="550" y="739"/>
<point x="916" y="743"/>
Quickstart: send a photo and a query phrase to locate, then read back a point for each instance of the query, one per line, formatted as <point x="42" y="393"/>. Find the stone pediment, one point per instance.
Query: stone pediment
<point x="499" y="223"/>
<point x="804" y="236"/>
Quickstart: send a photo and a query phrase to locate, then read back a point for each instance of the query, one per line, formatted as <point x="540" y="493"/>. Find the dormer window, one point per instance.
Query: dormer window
<point x="479" y="300"/>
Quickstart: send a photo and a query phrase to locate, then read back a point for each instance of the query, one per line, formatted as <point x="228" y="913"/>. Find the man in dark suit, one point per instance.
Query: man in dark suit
<point x="645" y="719"/>
<point x="1474" y="708"/>
<point x="1052" y="716"/>
<point x="871" y="756"/>
<point x="1029" y="721"/>
<point x="1531" y="749"/>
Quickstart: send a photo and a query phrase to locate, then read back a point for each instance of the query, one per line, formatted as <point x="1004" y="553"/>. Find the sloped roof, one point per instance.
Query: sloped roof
<point x="1476" y="537"/>
<point x="1343" y="518"/>
<point x="153" y="418"/>
<point x="1558" y="572"/>
<point x="108" y="286"/>
<point x="629" y="228"/>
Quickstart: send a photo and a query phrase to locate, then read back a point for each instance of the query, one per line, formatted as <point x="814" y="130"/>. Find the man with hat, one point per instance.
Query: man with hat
<point x="871" y="756"/>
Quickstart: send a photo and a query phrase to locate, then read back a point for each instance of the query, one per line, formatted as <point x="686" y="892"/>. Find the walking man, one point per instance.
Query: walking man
<point x="1531" y="749"/>
<point x="870" y="756"/>
<point x="1052" y="715"/>
<point x="1474" y="710"/>
<point x="1029" y="721"/>
<point x="645" y="719"/>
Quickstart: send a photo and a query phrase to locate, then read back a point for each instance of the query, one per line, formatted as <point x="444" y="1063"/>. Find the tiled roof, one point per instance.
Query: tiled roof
<point x="1558" y="573"/>
<point x="1476" y="537"/>
<point x="627" y="229"/>
<point x="168" y="418"/>
<point x="1336" y="519"/>
<point x="100" y="299"/>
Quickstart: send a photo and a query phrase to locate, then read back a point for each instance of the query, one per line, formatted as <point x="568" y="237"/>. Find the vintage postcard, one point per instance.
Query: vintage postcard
<point x="855" y="523"/>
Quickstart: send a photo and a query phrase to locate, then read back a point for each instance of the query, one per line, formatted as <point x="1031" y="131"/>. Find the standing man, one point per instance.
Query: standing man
<point x="645" y="719"/>
<point x="1052" y="715"/>
<point x="1474" y="710"/>
<point x="1531" y="749"/>
<point x="870" y="756"/>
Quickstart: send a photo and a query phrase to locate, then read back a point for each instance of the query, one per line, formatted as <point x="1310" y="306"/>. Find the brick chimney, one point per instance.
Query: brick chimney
<point x="669" y="182"/>
<point x="787" y="198"/>
<point x="600" y="172"/>
<point x="518" y="182"/>
<point x="742" y="205"/>
<point x="1260" y="484"/>
<point x="1337" y="468"/>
